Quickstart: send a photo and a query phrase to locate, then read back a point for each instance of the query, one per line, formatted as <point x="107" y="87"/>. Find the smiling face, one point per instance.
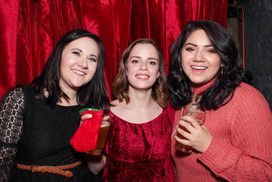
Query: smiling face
<point x="78" y="63"/>
<point x="142" y="66"/>
<point x="200" y="61"/>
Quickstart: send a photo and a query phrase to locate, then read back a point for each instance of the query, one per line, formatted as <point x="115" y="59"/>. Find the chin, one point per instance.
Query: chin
<point x="142" y="87"/>
<point x="199" y="82"/>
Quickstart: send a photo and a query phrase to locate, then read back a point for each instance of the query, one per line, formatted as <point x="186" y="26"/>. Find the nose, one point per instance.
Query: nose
<point x="83" y="62"/>
<point x="143" y="65"/>
<point x="198" y="57"/>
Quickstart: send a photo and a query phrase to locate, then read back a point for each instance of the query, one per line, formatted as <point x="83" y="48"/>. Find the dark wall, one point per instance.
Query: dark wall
<point x="258" y="44"/>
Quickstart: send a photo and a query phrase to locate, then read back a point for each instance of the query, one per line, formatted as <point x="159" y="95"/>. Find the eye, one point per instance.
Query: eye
<point x="189" y="49"/>
<point x="92" y="59"/>
<point x="134" y="61"/>
<point x="153" y="63"/>
<point x="77" y="53"/>
<point x="211" y="51"/>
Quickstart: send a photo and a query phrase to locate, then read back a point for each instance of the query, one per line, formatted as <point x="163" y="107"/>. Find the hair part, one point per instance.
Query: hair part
<point x="121" y="84"/>
<point x="222" y="90"/>
<point x="91" y="94"/>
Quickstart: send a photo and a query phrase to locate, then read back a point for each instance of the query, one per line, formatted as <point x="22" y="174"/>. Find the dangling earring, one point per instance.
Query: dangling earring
<point x="222" y="70"/>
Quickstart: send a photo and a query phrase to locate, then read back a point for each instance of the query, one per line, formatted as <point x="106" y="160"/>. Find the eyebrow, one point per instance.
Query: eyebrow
<point x="149" y="58"/>
<point x="77" y="49"/>
<point x="92" y="55"/>
<point x="192" y="44"/>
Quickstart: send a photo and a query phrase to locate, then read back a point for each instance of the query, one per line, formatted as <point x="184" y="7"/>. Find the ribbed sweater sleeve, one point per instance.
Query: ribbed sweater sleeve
<point x="247" y="155"/>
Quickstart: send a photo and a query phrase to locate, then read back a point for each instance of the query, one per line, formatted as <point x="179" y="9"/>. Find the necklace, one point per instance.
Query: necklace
<point x="195" y="104"/>
<point x="193" y="109"/>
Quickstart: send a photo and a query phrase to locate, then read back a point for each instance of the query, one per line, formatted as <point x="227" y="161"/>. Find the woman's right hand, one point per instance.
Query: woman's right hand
<point x="88" y="116"/>
<point x="196" y="136"/>
<point x="106" y="118"/>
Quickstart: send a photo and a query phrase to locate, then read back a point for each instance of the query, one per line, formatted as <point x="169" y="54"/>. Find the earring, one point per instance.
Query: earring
<point x="222" y="70"/>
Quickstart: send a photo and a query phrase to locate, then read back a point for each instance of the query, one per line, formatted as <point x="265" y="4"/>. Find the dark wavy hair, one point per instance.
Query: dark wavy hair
<point x="222" y="90"/>
<point x="121" y="85"/>
<point x="92" y="94"/>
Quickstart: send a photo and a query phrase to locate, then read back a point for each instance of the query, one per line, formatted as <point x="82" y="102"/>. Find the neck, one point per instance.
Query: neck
<point x="140" y="99"/>
<point x="72" y="97"/>
<point x="69" y="102"/>
<point x="199" y="89"/>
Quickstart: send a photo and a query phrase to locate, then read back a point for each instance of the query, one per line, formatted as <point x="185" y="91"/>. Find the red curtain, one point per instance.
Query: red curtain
<point x="29" y="29"/>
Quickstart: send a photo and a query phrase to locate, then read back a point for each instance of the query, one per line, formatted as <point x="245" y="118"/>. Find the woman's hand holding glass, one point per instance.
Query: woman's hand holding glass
<point x="192" y="135"/>
<point x="102" y="134"/>
<point x="86" y="116"/>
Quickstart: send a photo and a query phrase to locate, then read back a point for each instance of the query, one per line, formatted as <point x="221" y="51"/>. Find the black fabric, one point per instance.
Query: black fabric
<point x="36" y="133"/>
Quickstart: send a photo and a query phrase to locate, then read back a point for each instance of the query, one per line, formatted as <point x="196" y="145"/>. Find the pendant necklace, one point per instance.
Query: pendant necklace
<point x="195" y="103"/>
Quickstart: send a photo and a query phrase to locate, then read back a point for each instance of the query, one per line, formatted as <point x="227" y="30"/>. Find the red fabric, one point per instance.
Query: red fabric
<point x="171" y="112"/>
<point x="29" y="29"/>
<point x="85" y="138"/>
<point x="241" y="145"/>
<point x="8" y="36"/>
<point x="139" y="152"/>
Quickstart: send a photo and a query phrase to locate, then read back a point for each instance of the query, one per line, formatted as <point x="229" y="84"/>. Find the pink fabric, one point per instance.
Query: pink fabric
<point x="29" y="29"/>
<point x="241" y="145"/>
<point x="139" y="152"/>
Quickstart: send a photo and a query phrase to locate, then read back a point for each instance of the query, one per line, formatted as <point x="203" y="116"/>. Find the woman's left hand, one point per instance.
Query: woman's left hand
<point x="96" y="164"/>
<point x="198" y="137"/>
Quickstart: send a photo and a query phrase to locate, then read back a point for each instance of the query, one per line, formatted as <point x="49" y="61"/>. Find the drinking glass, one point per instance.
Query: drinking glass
<point x="197" y="114"/>
<point x="91" y="135"/>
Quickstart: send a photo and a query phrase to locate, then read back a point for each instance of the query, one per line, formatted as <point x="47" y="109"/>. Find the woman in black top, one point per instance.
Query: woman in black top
<point x="38" y="120"/>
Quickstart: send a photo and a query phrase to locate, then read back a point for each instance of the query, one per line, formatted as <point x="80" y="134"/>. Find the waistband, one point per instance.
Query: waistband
<point x="60" y="170"/>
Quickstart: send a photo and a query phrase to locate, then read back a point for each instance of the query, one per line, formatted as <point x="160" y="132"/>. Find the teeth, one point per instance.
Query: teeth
<point x="199" y="67"/>
<point x="142" y="76"/>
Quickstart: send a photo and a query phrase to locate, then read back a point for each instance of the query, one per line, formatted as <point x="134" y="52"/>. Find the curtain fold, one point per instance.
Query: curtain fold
<point x="30" y="28"/>
<point x="8" y="36"/>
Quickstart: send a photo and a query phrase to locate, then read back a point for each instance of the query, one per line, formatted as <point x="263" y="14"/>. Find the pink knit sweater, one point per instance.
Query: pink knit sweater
<point x="241" y="147"/>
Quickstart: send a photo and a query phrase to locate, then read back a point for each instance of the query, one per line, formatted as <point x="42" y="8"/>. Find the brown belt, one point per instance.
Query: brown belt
<point x="60" y="170"/>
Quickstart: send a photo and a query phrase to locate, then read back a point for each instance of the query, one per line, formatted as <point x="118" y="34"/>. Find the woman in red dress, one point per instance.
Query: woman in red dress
<point x="138" y="146"/>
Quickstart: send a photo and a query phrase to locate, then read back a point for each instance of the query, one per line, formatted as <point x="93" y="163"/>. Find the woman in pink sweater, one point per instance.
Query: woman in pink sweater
<point x="234" y="143"/>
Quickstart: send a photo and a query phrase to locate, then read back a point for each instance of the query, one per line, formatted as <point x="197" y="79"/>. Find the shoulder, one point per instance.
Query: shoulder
<point x="248" y="93"/>
<point x="115" y="102"/>
<point x="116" y="107"/>
<point x="14" y="94"/>
<point x="248" y="110"/>
<point x="14" y="99"/>
<point x="245" y="88"/>
<point x="246" y="98"/>
<point x="13" y="103"/>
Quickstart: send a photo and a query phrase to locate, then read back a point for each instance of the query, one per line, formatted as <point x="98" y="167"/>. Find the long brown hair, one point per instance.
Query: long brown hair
<point x="121" y="85"/>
